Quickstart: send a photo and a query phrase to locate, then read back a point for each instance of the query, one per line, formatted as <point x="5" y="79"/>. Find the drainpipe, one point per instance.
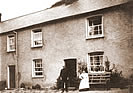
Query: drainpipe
<point x="17" y="66"/>
<point x="0" y="51"/>
<point x="0" y="17"/>
<point x="0" y="59"/>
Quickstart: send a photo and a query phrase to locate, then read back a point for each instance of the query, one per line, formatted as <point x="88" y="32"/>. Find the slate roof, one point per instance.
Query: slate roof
<point x="54" y="13"/>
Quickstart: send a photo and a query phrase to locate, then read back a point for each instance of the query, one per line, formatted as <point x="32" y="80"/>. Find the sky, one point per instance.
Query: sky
<point x="14" y="8"/>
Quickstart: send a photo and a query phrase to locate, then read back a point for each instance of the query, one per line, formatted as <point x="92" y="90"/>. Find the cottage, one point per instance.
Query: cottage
<point x="34" y="47"/>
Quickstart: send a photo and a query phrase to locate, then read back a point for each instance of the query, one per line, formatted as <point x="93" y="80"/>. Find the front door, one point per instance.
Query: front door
<point x="11" y="76"/>
<point x="71" y="66"/>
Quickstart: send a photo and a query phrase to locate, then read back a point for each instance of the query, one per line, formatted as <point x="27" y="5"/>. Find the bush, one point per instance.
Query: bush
<point x="37" y="86"/>
<point x="117" y="80"/>
<point x="2" y="85"/>
<point x="54" y="86"/>
<point x="131" y="79"/>
<point x="59" y="83"/>
<point x="22" y="85"/>
<point x="33" y="87"/>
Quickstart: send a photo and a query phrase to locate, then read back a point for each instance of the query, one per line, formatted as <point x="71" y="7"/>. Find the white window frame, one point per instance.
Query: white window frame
<point x="89" y="61"/>
<point x="13" y="44"/>
<point x="88" y="27"/>
<point x="33" y="40"/>
<point x="34" y="67"/>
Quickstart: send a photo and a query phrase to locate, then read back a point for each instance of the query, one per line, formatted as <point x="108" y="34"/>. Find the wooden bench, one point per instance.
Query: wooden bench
<point x="96" y="79"/>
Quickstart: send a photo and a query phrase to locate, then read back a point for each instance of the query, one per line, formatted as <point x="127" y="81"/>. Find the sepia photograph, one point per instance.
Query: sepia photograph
<point x="66" y="46"/>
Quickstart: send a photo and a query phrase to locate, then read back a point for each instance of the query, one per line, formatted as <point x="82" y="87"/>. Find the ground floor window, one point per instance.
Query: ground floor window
<point x="96" y="63"/>
<point x="37" y="69"/>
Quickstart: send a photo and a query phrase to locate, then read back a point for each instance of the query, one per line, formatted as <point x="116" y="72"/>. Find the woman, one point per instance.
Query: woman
<point x="84" y="83"/>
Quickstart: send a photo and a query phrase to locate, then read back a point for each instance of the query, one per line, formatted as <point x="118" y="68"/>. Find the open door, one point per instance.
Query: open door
<point x="11" y="76"/>
<point x="71" y="66"/>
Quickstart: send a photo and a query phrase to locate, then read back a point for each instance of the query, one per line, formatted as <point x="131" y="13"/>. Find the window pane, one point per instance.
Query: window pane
<point x="38" y="65"/>
<point x="100" y="32"/>
<point x="97" y="21"/>
<point x="90" y="23"/>
<point x="101" y="60"/>
<point x="11" y="42"/>
<point x="96" y="62"/>
<point x="12" y="47"/>
<point x="38" y="69"/>
<point x="95" y="26"/>
<point x="38" y="42"/>
<point x="100" y="27"/>
<point x="97" y="68"/>
<point x="95" y="32"/>
<point x="38" y="73"/>
<point x="101" y="68"/>
<point x="92" y="68"/>
<point x="91" y="60"/>
<point x="91" y="30"/>
<point x="37" y="37"/>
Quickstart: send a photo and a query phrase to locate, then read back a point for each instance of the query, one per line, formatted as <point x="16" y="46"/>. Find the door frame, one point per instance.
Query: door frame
<point x="8" y="76"/>
<point x="76" y="62"/>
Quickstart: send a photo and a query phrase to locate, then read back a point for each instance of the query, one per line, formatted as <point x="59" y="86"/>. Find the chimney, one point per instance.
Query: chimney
<point x="69" y="1"/>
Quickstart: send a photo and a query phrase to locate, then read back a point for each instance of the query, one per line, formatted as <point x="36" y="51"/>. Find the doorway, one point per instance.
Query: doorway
<point x="11" y="76"/>
<point x="71" y="66"/>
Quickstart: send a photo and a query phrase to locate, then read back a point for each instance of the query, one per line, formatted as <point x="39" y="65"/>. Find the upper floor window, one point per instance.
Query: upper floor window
<point x="36" y="39"/>
<point x="11" y="42"/>
<point x="96" y="63"/>
<point x="94" y="27"/>
<point x="37" y="69"/>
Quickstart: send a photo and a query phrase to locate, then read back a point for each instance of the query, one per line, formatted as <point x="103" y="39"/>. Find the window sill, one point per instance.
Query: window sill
<point x="10" y="51"/>
<point x="34" y="77"/>
<point x="97" y="72"/>
<point x="94" y="37"/>
<point x="40" y="46"/>
<point x="103" y="72"/>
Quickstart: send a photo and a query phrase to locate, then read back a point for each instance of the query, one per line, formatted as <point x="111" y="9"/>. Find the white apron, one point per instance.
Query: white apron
<point x="84" y="83"/>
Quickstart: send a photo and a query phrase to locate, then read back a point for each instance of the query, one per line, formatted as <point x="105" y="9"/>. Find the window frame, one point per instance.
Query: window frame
<point x="33" y="69"/>
<point x="8" y="43"/>
<point x="89" y="62"/>
<point x="87" y="27"/>
<point x="33" y="39"/>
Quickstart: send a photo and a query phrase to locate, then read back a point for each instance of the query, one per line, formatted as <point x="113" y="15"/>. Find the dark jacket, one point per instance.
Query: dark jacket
<point x="64" y="74"/>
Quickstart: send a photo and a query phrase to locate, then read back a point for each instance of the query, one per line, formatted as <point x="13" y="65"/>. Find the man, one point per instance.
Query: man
<point x="64" y="77"/>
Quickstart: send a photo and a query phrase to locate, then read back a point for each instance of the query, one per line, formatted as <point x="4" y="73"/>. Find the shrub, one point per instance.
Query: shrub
<point x="33" y="87"/>
<point x="53" y="87"/>
<point x="2" y="85"/>
<point x="117" y="80"/>
<point x="131" y="79"/>
<point x="22" y="85"/>
<point x="37" y="86"/>
<point x="59" y="83"/>
<point x="82" y="66"/>
<point x="107" y="65"/>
